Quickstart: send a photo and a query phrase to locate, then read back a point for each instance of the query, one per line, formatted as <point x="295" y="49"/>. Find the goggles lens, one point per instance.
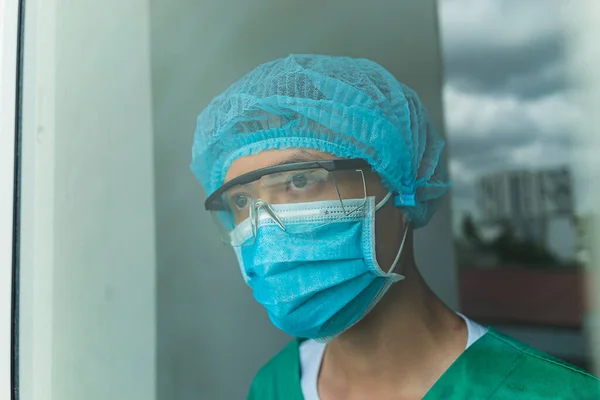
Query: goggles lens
<point x="241" y="203"/>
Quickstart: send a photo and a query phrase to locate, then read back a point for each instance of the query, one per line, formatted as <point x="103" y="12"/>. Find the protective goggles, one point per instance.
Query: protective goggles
<point x="265" y="193"/>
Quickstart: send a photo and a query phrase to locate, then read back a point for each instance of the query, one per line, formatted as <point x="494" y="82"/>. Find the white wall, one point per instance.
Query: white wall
<point x="212" y="337"/>
<point x="87" y="300"/>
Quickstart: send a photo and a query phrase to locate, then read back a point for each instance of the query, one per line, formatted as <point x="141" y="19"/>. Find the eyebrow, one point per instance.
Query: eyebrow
<point x="301" y="156"/>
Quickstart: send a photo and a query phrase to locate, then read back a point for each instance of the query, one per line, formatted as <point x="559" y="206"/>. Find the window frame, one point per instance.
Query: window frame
<point x="11" y="63"/>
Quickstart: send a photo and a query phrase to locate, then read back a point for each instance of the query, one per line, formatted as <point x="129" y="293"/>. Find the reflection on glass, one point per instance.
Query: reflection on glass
<point x="520" y="232"/>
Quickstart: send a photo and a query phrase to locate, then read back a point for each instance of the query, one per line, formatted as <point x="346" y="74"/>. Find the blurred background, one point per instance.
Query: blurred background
<point x="520" y="227"/>
<point x="125" y="291"/>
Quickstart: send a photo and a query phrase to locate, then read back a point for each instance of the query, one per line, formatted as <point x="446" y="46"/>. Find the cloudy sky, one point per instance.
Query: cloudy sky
<point x="507" y="100"/>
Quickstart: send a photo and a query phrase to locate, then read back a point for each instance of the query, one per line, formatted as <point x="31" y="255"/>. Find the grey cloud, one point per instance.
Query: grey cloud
<point x="494" y="152"/>
<point x="474" y="153"/>
<point x="487" y="65"/>
<point x="530" y="70"/>
<point x="502" y="136"/>
<point x="463" y="196"/>
<point x="483" y="156"/>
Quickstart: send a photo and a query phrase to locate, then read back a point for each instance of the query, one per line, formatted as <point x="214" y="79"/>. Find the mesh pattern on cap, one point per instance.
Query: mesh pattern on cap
<point x="347" y="107"/>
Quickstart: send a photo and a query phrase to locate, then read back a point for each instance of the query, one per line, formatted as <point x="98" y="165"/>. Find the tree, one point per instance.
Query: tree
<point x="511" y="249"/>
<point x="471" y="233"/>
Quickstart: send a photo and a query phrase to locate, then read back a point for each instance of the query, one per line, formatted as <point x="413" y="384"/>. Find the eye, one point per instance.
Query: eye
<point x="299" y="181"/>
<point x="240" y="200"/>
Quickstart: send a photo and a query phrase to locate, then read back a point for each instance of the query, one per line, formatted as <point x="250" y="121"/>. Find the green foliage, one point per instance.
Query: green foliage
<point x="512" y="250"/>
<point x="508" y="247"/>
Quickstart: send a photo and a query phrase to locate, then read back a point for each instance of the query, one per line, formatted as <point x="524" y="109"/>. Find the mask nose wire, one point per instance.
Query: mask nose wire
<point x="257" y="204"/>
<point x="255" y="212"/>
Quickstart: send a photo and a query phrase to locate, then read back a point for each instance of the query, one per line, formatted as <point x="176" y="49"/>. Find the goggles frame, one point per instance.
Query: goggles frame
<point x="214" y="202"/>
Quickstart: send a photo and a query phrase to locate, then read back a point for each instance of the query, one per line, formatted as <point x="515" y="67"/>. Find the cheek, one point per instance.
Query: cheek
<point x="388" y="235"/>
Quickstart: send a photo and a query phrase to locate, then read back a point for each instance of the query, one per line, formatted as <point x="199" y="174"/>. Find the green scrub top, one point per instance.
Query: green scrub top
<point x="494" y="367"/>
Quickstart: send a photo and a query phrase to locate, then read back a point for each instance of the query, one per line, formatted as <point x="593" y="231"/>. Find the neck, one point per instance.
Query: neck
<point x="407" y="341"/>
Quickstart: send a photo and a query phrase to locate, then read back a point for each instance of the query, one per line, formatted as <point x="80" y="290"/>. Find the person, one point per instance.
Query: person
<point x="318" y="170"/>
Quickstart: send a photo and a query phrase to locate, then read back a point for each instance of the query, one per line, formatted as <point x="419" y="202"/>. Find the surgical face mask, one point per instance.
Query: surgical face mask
<point x="316" y="277"/>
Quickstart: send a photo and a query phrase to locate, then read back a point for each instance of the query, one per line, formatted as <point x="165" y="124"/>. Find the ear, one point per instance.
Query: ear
<point x="406" y="226"/>
<point x="404" y="218"/>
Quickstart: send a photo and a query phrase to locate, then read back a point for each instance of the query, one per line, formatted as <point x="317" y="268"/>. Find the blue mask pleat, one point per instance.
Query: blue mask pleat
<point x="318" y="283"/>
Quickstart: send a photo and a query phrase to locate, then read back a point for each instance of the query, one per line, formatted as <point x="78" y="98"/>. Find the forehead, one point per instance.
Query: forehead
<point x="269" y="158"/>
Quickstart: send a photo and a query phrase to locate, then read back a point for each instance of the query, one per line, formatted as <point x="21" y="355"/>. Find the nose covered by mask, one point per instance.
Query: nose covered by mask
<point x="320" y="277"/>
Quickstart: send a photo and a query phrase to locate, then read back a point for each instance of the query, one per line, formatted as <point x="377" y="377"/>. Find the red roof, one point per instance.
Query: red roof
<point x="524" y="296"/>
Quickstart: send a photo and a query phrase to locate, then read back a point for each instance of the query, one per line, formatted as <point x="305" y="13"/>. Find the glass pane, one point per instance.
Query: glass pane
<point x="126" y="291"/>
<point x="125" y="282"/>
<point x="520" y="230"/>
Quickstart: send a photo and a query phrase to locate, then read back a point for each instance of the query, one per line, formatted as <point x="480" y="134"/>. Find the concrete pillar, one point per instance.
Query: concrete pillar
<point x="87" y="294"/>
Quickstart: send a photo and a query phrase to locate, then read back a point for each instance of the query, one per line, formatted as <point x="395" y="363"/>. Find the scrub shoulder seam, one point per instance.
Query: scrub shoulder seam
<point x="546" y="358"/>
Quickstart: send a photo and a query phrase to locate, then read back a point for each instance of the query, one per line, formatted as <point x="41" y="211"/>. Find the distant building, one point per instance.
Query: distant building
<point x="537" y="204"/>
<point x="583" y="243"/>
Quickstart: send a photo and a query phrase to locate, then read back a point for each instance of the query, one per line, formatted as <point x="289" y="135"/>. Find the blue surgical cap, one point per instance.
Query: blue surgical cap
<point x="351" y="108"/>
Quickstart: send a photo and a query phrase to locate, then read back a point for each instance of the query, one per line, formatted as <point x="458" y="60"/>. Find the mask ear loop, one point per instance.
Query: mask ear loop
<point x="394" y="276"/>
<point x="384" y="201"/>
<point x="395" y="263"/>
